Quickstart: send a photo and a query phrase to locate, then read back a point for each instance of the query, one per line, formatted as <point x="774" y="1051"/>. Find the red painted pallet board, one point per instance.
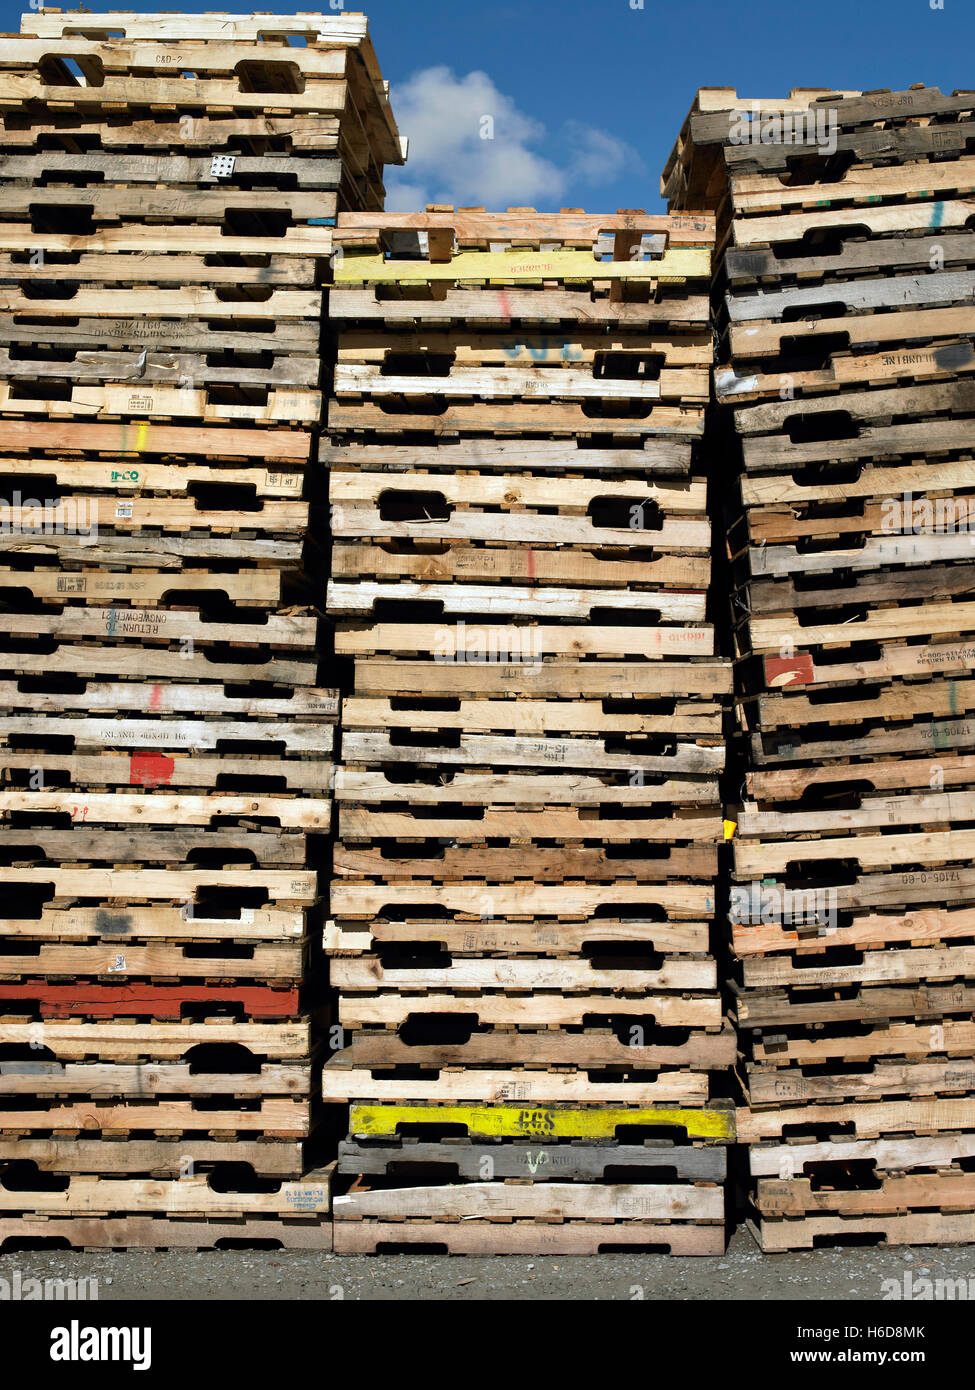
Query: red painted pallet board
<point x="158" y="1001"/>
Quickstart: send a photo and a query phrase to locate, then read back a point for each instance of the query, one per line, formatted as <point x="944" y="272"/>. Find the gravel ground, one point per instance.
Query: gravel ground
<point x="743" y="1273"/>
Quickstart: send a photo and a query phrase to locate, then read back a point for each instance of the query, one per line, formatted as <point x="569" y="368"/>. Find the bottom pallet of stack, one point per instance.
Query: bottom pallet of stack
<point x="187" y="1212"/>
<point x="900" y="1191"/>
<point x="543" y="1180"/>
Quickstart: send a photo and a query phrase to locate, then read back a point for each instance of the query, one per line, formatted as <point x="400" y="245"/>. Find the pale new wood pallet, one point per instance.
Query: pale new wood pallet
<point x="510" y="1009"/>
<point x="191" y="1196"/>
<point x="531" y="1237"/>
<point x="128" y="1042"/>
<point x="533" y="1087"/>
<point x="113" y="771"/>
<point x="155" y="808"/>
<point x="128" y="959"/>
<point x="279" y="1118"/>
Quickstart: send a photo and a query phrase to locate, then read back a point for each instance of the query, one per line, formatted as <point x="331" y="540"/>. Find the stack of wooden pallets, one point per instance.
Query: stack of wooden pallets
<point x="847" y="359"/>
<point x="168" y="186"/>
<point x="528" y="805"/>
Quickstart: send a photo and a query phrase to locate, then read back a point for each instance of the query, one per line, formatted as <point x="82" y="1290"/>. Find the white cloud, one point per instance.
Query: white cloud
<point x="450" y="162"/>
<point x="597" y="156"/>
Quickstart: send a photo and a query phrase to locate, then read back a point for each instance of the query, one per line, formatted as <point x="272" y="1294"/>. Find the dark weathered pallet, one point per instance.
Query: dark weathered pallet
<point x="540" y="1162"/>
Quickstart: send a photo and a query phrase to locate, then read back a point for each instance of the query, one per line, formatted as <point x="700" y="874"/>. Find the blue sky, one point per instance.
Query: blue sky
<point x="586" y="98"/>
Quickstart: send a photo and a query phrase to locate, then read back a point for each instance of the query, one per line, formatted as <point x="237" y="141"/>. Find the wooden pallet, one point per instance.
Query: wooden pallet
<point x="420" y="309"/>
<point x="936" y="737"/>
<point x="712" y="1125"/>
<point x="171" y="698"/>
<point x="789" y="784"/>
<point x="543" y="822"/>
<point x="127" y="1042"/>
<point x="682" y="757"/>
<point x="776" y="1086"/>
<point x="274" y="1117"/>
<point x="615" y="355"/>
<point x="537" y="717"/>
<point x="934" y="926"/>
<point x="860" y="1119"/>
<point x="684" y="423"/>
<point x="538" y="457"/>
<point x="859" y="852"/>
<point x="148" y="1233"/>
<point x="507" y="1009"/>
<point x="475" y="900"/>
<point x="862" y="1003"/>
<point x="102" y="1081"/>
<point x="455" y="562"/>
<point x="162" y="1158"/>
<point x="445" y="225"/>
<point x="875" y="1040"/>
<point x="928" y="1153"/>
<point x="191" y="1196"/>
<point x="523" y="1159"/>
<point x="515" y="602"/>
<point x="518" y="267"/>
<point x="545" y="1202"/>
<point x="491" y="1087"/>
<point x="531" y="1237"/>
<point x="681" y="974"/>
<point x="283" y="887"/>
<point x="535" y="938"/>
<point x="152" y="770"/>
<point x="82" y="844"/>
<point x="89" y="733"/>
<point x="913" y="1228"/>
<point x="155" y="808"/>
<point x="135" y="999"/>
<point x="520" y="646"/>
<point x="280" y="963"/>
<point x="563" y="679"/>
<point x="572" y="1053"/>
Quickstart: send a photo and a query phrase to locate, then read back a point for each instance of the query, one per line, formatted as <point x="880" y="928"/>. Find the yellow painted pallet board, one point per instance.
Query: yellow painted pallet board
<point x="512" y="1121"/>
<point x="675" y="267"/>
